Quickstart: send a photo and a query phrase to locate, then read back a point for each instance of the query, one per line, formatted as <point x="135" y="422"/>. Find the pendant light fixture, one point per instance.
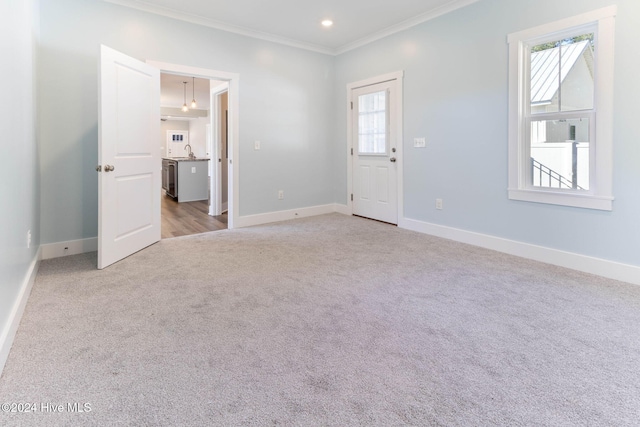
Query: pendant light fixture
<point x="193" y="101"/>
<point x="184" y="106"/>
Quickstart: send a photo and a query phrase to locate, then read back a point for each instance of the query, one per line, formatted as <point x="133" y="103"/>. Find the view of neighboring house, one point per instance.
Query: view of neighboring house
<point x="560" y="146"/>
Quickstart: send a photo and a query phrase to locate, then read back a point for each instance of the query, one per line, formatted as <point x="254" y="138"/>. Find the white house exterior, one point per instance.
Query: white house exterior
<point x="552" y="141"/>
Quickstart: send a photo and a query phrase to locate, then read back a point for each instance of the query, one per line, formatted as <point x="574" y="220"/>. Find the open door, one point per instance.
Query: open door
<point x="129" y="156"/>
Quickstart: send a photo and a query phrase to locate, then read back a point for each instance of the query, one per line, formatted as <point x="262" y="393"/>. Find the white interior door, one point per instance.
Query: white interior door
<point x="375" y="152"/>
<point x="130" y="164"/>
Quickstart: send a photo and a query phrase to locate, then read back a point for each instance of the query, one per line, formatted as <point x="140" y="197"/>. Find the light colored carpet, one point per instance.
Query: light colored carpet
<point x="332" y="321"/>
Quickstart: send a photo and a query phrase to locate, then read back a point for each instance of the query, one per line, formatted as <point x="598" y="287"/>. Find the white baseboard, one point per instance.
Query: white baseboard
<point x="71" y="247"/>
<point x="250" y="220"/>
<point x="601" y="267"/>
<point x="342" y="209"/>
<point x="598" y="266"/>
<point x="74" y="247"/>
<point x="8" y="333"/>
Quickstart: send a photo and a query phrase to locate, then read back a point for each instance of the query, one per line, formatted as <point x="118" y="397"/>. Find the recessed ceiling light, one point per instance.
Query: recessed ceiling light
<point x="327" y="23"/>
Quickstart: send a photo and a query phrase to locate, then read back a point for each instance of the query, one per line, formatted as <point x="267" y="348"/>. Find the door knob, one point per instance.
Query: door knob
<point x="99" y="168"/>
<point x="108" y="168"/>
<point x="392" y="160"/>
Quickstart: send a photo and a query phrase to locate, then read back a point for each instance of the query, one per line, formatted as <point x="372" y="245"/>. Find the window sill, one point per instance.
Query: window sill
<point x="585" y="201"/>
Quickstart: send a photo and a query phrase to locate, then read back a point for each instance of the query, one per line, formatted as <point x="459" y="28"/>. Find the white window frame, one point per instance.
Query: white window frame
<point x="600" y="195"/>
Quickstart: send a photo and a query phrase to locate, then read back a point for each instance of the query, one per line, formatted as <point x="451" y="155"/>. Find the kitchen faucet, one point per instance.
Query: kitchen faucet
<point x="191" y="155"/>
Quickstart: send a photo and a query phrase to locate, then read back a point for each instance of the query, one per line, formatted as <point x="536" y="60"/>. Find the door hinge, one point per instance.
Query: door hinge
<point x="352" y="197"/>
<point x="352" y="151"/>
<point x="352" y="105"/>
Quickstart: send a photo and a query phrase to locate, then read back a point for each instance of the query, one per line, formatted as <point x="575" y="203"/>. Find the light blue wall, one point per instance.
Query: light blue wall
<point x="455" y="95"/>
<point x="286" y="102"/>
<point x="19" y="211"/>
<point x="293" y="101"/>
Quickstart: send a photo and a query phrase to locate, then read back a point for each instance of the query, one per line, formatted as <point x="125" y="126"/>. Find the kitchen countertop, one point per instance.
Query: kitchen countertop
<point x="187" y="159"/>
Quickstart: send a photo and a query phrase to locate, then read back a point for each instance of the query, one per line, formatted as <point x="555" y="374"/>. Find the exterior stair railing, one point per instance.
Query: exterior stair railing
<point x="552" y="177"/>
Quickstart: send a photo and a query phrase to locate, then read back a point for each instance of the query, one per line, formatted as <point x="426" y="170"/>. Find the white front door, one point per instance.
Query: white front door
<point x="375" y="151"/>
<point x="129" y="182"/>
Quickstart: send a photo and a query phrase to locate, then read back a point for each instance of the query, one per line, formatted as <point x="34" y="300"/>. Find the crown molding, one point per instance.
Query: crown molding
<point x="219" y="25"/>
<point x="404" y="25"/>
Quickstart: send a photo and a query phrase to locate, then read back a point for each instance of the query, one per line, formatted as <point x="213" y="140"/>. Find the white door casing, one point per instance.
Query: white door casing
<point x="376" y="143"/>
<point x="211" y="163"/>
<point x="129" y="182"/>
<point x="216" y="159"/>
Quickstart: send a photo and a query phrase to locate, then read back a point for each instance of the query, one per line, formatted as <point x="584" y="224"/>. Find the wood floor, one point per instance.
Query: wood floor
<point x="183" y="219"/>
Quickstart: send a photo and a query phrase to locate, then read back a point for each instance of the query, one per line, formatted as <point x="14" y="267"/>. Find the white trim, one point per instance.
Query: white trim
<point x="561" y="25"/>
<point x="398" y="76"/>
<point x="572" y="199"/>
<point x="70" y="247"/>
<point x="342" y="209"/>
<point x="215" y="184"/>
<point x="587" y="264"/>
<point x="600" y="194"/>
<point x="219" y="25"/>
<point x="233" y="79"/>
<point x="8" y="333"/>
<point x="411" y="22"/>
<point x="81" y="246"/>
<point x="265" y="218"/>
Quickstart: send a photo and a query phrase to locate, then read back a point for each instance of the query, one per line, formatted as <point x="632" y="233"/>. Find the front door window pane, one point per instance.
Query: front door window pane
<point x="372" y="123"/>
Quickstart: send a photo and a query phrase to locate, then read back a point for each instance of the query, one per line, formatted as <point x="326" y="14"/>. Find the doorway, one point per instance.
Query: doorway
<point x="375" y="148"/>
<point x="188" y="126"/>
<point x="231" y="82"/>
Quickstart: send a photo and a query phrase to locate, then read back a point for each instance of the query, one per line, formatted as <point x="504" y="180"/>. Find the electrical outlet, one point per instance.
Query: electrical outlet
<point x="256" y="145"/>
<point x="28" y="239"/>
<point x="280" y="195"/>
<point x="439" y="204"/>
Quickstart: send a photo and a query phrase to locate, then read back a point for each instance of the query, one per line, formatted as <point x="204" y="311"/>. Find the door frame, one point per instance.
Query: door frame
<point x="216" y="176"/>
<point x="396" y="76"/>
<point x="233" y="80"/>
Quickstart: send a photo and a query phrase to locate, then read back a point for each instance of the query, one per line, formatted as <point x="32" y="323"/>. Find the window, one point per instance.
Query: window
<point x="372" y="123"/>
<point x="561" y="112"/>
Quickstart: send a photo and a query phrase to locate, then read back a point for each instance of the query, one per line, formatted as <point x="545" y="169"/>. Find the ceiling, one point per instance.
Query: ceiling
<point x="297" y="22"/>
<point x="172" y="91"/>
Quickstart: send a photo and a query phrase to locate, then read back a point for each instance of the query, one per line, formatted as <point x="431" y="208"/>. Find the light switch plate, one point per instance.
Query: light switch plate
<point x="419" y="142"/>
<point x="193" y="169"/>
<point x="256" y="145"/>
